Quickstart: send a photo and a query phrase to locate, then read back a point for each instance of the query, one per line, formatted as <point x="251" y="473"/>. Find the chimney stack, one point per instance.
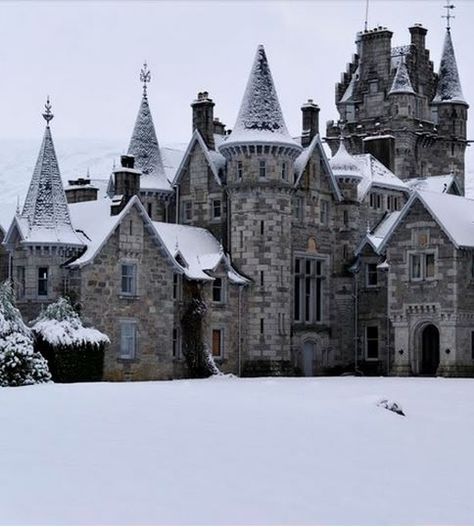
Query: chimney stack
<point x="127" y="183"/>
<point x="203" y="118"/>
<point x="219" y="128"/>
<point x="310" y="112"/>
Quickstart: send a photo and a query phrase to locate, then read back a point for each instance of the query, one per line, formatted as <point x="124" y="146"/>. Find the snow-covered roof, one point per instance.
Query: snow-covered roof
<point x="376" y="238"/>
<point x="441" y="184"/>
<point x="215" y="160"/>
<point x="197" y="251"/>
<point x="260" y="119"/>
<point x="146" y="150"/>
<point x="449" y="86"/>
<point x="344" y="165"/>
<point x="454" y="214"/>
<point x="376" y="174"/>
<point x="45" y="217"/>
<point x="302" y="160"/>
<point x="401" y="81"/>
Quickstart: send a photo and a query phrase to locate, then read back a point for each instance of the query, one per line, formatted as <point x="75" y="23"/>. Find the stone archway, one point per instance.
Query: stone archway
<point x="429" y="350"/>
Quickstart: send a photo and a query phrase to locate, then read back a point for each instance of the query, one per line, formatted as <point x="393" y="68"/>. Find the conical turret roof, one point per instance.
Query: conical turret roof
<point x="46" y="210"/>
<point x="260" y="119"/>
<point x="449" y="86"/>
<point x="344" y="165"/>
<point x="401" y="81"/>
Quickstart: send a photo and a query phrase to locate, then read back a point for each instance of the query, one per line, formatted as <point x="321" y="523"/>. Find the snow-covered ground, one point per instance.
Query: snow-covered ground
<point x="231" y="451"/>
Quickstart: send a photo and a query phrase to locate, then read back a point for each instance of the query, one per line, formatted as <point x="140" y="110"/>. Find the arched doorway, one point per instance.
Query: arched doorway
<point x="429" y="350"/>
<point x="309" y="352"/>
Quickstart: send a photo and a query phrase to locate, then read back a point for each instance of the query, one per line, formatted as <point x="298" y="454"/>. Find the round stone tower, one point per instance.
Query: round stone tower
<point x="260" y="155"/>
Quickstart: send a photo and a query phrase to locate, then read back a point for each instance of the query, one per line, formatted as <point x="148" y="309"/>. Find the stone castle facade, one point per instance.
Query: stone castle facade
<point x="299" y="264"/>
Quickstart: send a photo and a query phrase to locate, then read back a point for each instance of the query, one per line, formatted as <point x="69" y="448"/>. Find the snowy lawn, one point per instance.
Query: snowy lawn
<point x="231" y="451"/>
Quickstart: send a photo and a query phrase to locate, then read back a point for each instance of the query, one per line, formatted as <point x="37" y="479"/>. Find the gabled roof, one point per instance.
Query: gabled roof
<point x="146" y="150"/>
<point x="197" y="251"/>
<point x="215" y="160"/>
<point x="45" y="217"/>
<point x="449" y="86"/>
<point x="260" y="119"/>
<point x="401" y="81"/>
<point x="376" y="238"/>
<point x="302" y="160"/>
<point x="454" y="215"/>
<point x="441" y="184"/>
<point x="95" y="225"/>
<point x="376" y="174"/>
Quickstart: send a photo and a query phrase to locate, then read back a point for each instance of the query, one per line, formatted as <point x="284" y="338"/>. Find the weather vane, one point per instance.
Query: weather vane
<point x="448" y="14"/>
<point x="48" y="115"/>
<point x="145" y="77"/>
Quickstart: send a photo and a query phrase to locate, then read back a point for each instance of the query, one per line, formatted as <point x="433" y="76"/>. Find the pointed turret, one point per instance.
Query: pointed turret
<point x="344" y="166"/>
<point x="144" y="143"/>
<point x="46" y="210"/>
<point x="401" y="81"/>
<point x="260" y="119"/>
<point x="449" y="86"/>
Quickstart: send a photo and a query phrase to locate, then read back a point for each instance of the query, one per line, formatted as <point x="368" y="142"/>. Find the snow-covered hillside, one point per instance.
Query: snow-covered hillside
<point x="238" y="451"/>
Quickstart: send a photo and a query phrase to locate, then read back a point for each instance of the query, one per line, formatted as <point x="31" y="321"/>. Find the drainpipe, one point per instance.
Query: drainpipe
<point x="239" y="346"/>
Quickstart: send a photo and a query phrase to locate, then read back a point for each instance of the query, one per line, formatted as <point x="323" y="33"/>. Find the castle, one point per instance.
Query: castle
<point x="301" y="264"/>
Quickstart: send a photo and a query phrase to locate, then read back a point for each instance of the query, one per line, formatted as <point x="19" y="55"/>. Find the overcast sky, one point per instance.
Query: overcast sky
<point x="87" y="56"/>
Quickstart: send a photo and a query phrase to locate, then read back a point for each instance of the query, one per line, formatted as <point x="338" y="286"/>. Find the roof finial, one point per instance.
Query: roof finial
<point x="48" y="115"/>
<point x="448" y="14"/>
<point x="18" y="204"/>
<point x="145" y="77"/>
<point x="366" y="15"/>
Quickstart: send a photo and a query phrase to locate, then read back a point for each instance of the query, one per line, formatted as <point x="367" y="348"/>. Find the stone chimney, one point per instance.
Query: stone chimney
<point x="80" y="190"/>
<point x="310" y="112"/>
<point x="127" y="183"/>
<point x="203" y="117"/>
<point x="418" y="34"/>
<point x="219" y="128"/>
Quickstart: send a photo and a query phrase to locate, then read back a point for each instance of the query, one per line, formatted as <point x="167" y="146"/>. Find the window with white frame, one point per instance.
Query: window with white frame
<point x="308" y="290"/>
<point x="128" y="339"/>
<point x="129" y="279"/>
<point x="187" y="211"/>
<point x="371" y="275"/>
<point x="218" y="290"/>
<point x="371" y="342"/>
<point x="217" y="342"/>
<point x="422" y="266"/>
<point x="43" y="276"/>
<point x="216" y="209"/>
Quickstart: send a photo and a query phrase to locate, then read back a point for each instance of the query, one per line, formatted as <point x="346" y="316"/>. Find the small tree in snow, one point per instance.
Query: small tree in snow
<point x="74" y="352"/>
<point x="19" y="363"/>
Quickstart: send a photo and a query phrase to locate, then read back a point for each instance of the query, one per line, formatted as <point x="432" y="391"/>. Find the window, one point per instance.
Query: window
<point x="187" y="212"/>
<point x="240" y="170"/>
<point x="129" y="279"/>
<point x="422" y="266"/>
<point x="149" y="209"/>
<point x="346" y="218"/>
<point x="324" y="212"/>
<point x="176" y="286"/>
<point x="308" y="294"/>
<point x="262" y="326"/>
<point x="299" y="208"/>
<point x="371" y="275"/>
<point x="472" y="266"/>
<point x="20" y="282"/>
<point x="43" y="281"/>
<point x="262" y="227"/>
<point x="262" y="172"/>
<point x="472" y="345"/>
<point x="372" y="342"/>
<point x="218" y="290"/>
<point x="261" y="278"/>
<point x="176" y="343"/>
<point x="217" y="342"/>
<point x="216" y="209"/>
<point x="284" y="171"/>
<point x="128" y="339"/>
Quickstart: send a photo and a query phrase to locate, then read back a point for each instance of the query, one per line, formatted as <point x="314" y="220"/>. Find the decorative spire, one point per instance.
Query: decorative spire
<point x="401" y="81"/>
<point x="145" y="77"/>
<point x="448" y="14"/>
<point x="260" y="118"/>
<point x="144" y="143"/>
<point x="45" y="207"/>
<point x="48" y="115"/>
<point x="449" y="86"/>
